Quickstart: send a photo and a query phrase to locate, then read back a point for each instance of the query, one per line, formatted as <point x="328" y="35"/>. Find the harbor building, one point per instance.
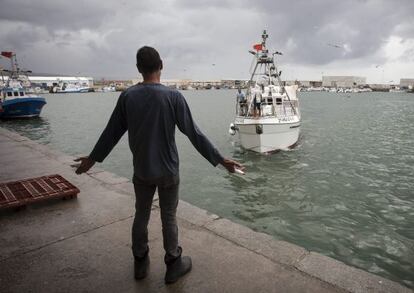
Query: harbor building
<point x="343" y="81"/>
<point x="407" y="83"/>
<point x="50" y="81"/>
<point x="199" y="84"/>
<point x="46" y="81"/>
<point x="305" y="83"/>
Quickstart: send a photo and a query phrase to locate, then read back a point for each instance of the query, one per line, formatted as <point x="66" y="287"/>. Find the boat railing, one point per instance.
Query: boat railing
<point x="270" y="108"/>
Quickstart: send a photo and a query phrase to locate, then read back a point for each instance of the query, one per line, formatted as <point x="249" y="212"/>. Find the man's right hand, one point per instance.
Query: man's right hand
<point x="85" y="164"/>
<point x="231" y="165"/>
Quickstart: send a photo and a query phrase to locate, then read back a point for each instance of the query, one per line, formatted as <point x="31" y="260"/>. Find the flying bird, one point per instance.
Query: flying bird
<point x="334" y="45"/>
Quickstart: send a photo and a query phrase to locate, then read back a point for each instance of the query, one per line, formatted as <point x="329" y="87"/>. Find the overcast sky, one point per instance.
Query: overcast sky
<point x="211" y="39"/>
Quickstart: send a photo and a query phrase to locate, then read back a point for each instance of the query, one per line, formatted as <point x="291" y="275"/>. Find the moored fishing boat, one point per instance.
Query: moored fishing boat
<point x="14" y="102"/>
<point x="268" y="118"/>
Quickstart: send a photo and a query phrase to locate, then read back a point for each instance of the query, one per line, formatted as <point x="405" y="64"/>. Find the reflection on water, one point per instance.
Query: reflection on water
<point x="37" y="129"/>
<point x="346" y="190"/>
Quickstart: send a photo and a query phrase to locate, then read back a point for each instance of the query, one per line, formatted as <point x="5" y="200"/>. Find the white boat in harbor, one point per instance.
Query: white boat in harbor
<point x="66" y="88"/>
<point x="110" y="88"/>
<point x="396" y="89"/>
<point x="274" y="123"/>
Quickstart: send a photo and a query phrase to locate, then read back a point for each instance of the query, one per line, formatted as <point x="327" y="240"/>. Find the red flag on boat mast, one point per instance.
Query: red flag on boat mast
<point x="7" y="54"/>
<point x="258" y="47"/>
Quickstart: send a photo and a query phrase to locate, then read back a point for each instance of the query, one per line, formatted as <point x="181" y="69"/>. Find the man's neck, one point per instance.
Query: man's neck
<point x="152" y="78"/>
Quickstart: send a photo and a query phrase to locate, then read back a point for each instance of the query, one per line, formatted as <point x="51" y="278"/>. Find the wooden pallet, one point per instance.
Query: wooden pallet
<point x="23" y="192"/>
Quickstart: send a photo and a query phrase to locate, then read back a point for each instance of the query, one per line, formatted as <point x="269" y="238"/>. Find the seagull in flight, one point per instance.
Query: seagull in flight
<point x="334" y="45"/>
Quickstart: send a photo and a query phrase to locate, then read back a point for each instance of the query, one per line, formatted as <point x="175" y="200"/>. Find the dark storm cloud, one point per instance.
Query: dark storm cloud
<point x="359" y="27"/>
<point x="20" y="36"/>
<point x="193" y="35"/>
<point x="56" y="14"/>
<point x="306" y="30"/>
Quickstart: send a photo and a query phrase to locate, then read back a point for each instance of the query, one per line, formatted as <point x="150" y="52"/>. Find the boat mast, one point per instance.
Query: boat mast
<point x="270" y="68"/>
<point x="2" y="76"/>
<point x="14" y="66"/>
<point x="258" y="58"/>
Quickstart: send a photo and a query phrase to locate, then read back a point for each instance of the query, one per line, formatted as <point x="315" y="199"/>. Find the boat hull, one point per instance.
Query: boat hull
<point x="73" y="91"/>
<point x="268" y="137"/>
<point x="22" y="107"/>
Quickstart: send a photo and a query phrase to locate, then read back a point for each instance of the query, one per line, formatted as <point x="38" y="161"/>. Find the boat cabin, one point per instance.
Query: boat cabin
<point x="12" y="93"/>
<point x="274" y="101"/>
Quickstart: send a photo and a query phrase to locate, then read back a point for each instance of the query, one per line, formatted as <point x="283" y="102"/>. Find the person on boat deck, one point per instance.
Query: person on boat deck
<point x="257" y="101"/>
<point x="150" y="111"/>
<point x="241" y="100"/>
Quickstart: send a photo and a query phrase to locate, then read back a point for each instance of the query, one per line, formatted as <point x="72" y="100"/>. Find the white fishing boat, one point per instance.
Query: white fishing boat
<point x="268" y="119"/>
<point x="110" y="88"/>
<point x="71" y="88"/>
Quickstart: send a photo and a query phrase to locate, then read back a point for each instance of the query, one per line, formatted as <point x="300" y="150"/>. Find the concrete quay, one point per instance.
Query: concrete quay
<point x="84" y="245"/>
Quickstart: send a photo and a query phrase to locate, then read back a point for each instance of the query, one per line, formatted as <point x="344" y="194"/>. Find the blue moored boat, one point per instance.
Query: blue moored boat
<point x="21" y="107"/>
<point x="14" y="102"/>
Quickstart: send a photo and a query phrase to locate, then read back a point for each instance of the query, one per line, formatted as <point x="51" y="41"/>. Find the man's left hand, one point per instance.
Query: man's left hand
<point x="231" y="165"/>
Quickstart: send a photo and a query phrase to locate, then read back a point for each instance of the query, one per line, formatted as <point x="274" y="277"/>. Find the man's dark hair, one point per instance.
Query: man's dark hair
<point x="148" y="60"/>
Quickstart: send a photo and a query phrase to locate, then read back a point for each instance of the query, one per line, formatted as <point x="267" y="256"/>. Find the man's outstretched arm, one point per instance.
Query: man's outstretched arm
<point x="113" y="132"/>
<point x="187" y="126"/>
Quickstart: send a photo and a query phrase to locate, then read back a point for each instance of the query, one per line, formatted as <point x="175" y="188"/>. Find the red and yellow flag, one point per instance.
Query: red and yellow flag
<point x="7" y="54"/>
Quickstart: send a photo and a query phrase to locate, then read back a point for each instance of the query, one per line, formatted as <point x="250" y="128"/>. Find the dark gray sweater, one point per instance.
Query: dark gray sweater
<point x="150" y="112"/>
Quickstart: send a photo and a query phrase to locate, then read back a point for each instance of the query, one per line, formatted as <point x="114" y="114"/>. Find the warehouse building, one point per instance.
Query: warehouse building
<point x="46" y="81"/>
<point x="343" y="81"/>
<point x="407" y="82"/>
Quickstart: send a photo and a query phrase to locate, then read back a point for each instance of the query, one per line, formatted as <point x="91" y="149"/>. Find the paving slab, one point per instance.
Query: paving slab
<point x="279" y="251"/>
<point x="194" y="214"/>
<point x="352" y="279"/>
<point x="44" y="223"/>
<point x="109" y="178"/>
<point x="100" y="261"/>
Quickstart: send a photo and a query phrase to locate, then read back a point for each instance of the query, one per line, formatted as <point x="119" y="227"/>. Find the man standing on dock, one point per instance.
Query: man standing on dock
<point x="149" y="112"/>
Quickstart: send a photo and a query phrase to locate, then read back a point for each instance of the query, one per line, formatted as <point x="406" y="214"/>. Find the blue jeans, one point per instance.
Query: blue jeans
<point x="168" y="199"/>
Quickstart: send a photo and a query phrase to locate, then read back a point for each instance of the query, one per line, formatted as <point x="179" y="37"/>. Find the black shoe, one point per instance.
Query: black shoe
<point x="141" y="267"/>
<point x="177" y="269"/>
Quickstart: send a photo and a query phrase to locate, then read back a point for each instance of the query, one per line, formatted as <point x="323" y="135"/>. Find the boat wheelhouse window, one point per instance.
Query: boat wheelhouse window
<point x="9" y="94"/>
<point x="16" y="94"/>
<point x="21" y="94"/>
<point x="278" y="101"/>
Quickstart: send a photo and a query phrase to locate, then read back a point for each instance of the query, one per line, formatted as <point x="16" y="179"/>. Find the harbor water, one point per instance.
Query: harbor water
<point x="347" y="189"/>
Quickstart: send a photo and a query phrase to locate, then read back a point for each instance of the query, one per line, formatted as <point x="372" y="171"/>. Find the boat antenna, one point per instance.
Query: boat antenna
<point x="264" y="37"/>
